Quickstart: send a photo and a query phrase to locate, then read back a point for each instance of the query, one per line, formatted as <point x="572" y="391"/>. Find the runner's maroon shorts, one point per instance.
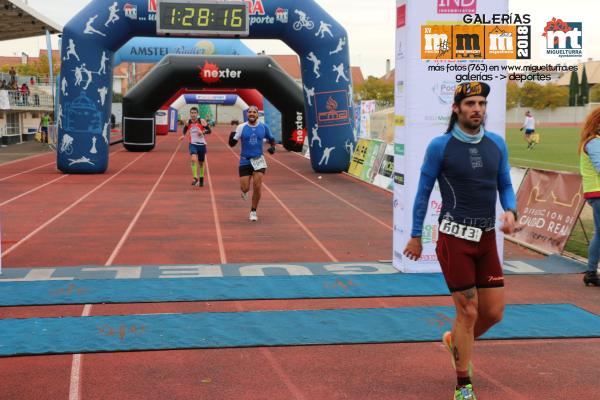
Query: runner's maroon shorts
<point x="467" y="264"/>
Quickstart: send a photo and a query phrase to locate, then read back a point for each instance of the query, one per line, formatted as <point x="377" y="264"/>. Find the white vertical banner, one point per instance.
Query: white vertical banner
<point x="423" y="110"/>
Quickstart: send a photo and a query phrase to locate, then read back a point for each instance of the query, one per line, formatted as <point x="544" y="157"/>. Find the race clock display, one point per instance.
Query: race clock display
<point x="202" y="18"/>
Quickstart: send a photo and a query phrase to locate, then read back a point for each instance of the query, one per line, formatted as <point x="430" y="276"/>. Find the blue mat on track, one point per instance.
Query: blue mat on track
<point x="277" y="328"/>
<point x="225" y="288"/>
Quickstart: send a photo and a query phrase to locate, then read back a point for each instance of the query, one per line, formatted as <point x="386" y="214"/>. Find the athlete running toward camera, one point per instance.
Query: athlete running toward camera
<point x="470" y="165"/>
<point x="253" y="165"/>
<point x="197" y="128"/>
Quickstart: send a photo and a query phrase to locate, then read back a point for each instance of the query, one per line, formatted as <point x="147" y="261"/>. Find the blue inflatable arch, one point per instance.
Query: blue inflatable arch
<point x="104" y="26"/>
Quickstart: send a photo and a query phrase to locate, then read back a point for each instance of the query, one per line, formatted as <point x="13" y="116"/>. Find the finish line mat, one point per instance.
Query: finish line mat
<point x="277" y="328"/>
<point x="93" y="291"/>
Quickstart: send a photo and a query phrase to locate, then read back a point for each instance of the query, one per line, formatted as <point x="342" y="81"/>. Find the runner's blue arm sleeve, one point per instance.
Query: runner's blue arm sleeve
<point x="432" y="165"/>
<point x="426" y="184"/>
<point x="505" y="188"/>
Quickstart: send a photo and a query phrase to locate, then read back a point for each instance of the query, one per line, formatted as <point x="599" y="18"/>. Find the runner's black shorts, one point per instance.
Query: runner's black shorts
<point x="248" y="170"/>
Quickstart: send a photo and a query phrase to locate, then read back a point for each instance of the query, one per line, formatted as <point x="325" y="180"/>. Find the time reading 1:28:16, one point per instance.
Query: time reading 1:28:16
<point x="204" y="17"/>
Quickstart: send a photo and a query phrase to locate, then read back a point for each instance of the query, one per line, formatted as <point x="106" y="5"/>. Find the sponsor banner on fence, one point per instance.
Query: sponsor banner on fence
<point x="367" y="159"/>
<point x="358" y="157"/>
<point x="367" y="107"/>
<point x="382" y="125"/>
<point x="384" y="177"/>
<point x="548" y="204"/>
<point x="373" y="160"/>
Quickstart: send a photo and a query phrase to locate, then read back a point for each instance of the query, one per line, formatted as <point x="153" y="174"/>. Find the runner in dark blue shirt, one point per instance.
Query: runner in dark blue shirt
<point x="471" y="166"/>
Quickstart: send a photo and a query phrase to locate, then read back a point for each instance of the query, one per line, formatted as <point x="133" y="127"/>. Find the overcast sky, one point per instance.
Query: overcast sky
<point x="369" y="46"/>
<point x="370" y="26"/>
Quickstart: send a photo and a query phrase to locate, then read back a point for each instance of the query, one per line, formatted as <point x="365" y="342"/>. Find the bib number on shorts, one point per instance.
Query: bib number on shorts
<point x="461" y="231"/>
<point x="258" y="163"/>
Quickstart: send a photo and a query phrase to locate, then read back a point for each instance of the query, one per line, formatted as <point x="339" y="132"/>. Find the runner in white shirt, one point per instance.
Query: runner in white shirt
<point x="197" y="128"/>
<point x="529" y="126"/>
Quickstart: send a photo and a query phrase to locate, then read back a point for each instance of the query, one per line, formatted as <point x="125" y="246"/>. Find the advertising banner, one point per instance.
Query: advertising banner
<point x="373" y="160"/>
<point x="425" y="82"/>
<point x="548" y="204"/>
<point x="384" y="177"/>
<point x="367" y="107"/>
<point x="358" y="158"/>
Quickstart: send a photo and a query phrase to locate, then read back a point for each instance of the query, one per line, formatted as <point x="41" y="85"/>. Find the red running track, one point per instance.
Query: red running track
<point x="143" y="211"/>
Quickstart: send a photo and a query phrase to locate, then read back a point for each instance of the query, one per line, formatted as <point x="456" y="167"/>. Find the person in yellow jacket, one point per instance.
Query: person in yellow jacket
<point x="589" y="167"/>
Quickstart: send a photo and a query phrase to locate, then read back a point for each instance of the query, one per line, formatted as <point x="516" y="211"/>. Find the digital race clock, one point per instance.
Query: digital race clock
<point x="202" y="18"/>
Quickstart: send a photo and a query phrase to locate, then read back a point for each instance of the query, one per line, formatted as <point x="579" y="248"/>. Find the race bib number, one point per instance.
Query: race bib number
<point x="461" y="231"/>
<point x="258" y="163"/>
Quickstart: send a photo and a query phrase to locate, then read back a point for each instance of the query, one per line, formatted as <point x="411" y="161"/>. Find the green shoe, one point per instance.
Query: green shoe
<point x="464" y="393"/>
<point x="447" y="340"/>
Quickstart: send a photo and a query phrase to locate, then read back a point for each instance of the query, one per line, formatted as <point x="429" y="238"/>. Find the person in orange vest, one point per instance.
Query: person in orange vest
<point x="589" y="167"/>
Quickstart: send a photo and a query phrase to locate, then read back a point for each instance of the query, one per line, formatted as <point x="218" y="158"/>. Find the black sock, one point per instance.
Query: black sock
<point x="254" y="209"/>
<point x="463" y="381"/>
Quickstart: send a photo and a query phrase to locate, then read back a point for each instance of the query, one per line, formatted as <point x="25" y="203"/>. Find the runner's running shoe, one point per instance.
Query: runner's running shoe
<point x="244" y="196"/>
<point x="253" y="216"/>
<point x="464" y="393"/>
<point x="195" y="182"/>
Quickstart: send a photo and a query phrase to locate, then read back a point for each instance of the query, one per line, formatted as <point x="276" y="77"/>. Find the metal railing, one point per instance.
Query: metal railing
<point x="38" y="80"/>
<point x="19" y="100"/>
<point x="11" y="133"/>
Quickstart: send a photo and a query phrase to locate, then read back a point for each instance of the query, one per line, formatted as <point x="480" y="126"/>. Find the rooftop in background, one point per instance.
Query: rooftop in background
<point x="389" y="77"/>
<point x="357" y="76"/>
<point x="18" y="21"/>
<point x="289" y="63"/>
<point x="592" y="70"/>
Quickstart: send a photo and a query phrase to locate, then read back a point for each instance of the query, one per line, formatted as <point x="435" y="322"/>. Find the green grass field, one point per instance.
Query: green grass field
<point x="557" y="151"/>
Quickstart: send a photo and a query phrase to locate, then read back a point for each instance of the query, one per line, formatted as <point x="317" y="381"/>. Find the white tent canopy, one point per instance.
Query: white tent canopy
<point x="18" y="21"/>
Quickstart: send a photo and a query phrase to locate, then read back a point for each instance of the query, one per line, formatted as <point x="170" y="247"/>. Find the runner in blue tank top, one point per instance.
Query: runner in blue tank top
<point x="253" y="165"/>
<point x="471" y="167"/>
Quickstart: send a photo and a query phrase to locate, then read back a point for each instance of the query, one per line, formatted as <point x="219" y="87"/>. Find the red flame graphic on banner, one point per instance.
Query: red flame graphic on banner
<point x="331" y="104"/>
<point x="209" y="73"/>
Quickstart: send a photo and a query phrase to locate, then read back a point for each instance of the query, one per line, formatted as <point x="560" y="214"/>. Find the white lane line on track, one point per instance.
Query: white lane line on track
<point x="38" y="187"/>
<point x="41" y="166"/>
<point x="26" y="158"/>
<point x="335" y="195"/>
<point x="141" y="209"/>
<point x="298" y="221"/>
<point x="25" y="172"/>
<point x="35" y="189"/>
<point x="216" y="215"/>
<point x="304" y="227"/>
<point x="75" y="383"/>
<point x="60" y="214"/>
<point x="75" y="387"/>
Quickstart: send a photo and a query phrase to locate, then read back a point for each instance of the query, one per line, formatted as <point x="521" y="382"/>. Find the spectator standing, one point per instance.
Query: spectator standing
<point x="589" y="167"/>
